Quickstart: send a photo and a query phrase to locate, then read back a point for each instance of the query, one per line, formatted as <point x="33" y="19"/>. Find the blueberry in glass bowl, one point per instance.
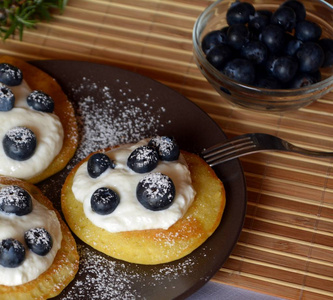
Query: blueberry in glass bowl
<point x="271" y="56"/>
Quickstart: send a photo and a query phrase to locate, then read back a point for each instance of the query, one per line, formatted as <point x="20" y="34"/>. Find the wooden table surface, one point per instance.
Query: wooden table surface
<point x="286" y="246"/>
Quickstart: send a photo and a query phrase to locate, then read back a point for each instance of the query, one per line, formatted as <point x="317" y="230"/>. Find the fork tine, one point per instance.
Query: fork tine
<point x="223" y="157"/>
<point x="227" y="145"/>
<point x="228" y="150"/>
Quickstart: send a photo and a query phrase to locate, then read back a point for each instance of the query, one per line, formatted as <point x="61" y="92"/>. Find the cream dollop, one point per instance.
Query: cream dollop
<point x="47" y="128"/>
<point x="12" y="226"/>
<point x="130" y="214"/>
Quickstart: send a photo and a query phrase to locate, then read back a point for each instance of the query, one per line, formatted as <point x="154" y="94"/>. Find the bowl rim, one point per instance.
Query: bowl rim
<point x="217" y="74"/>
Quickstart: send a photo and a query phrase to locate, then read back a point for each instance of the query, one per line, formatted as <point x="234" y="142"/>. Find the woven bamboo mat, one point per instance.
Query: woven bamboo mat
<point x="286" y="246"/>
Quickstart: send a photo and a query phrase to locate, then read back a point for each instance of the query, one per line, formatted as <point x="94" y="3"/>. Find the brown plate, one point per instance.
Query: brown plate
<point x="117" y="106"/>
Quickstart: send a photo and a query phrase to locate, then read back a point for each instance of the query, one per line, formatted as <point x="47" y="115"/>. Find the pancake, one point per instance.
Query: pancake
<point x="39" y="80"/>
<point x="154" y="246"/>
<point x="64" y="266"/>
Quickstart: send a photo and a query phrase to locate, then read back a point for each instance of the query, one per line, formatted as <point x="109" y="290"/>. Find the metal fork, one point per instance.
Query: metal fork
<point x="251" y="143"/>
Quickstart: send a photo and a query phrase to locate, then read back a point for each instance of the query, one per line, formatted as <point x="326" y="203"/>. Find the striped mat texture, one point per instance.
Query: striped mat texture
<point x="286" y="246"/>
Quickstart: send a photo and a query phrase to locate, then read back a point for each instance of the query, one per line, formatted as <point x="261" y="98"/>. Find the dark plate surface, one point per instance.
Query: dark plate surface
<point x="115" y="106"/>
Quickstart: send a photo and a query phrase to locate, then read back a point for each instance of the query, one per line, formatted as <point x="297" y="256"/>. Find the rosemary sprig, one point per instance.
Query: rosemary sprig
<point x="16" y="15"/>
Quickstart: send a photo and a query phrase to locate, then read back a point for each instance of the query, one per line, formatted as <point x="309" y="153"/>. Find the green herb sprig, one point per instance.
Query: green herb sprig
<point x="16" y="15"/>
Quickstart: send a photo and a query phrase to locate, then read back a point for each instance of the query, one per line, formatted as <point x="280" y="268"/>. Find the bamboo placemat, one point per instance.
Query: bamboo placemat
<point x="286" y="246"/>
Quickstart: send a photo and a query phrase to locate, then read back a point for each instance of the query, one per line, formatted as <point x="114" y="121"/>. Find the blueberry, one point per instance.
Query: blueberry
<point x="307" y="31"/>
<point x="259" y="21"/>
<point x="98" y="163"/>
<point x="255" y="51"/>
<point x="327" y="46"/>
<point x="273" y="36"/>
<point x="15" y="200"/>
<point x="219" y="56"/>
<point x="212" y="39"/>
<point x="7" y="98"/>
<point x="239" y="13"/>
<point x="156" y="191"/>
<point x="237" y="36"/>
<point x="241" y="70"/>
<point x="40" y="101"/>
<point x="19" y="143"/>
<point x="10" y="75"/>
<point x="12" y="253"/>
<point x="167" y="148"/>
<point x="267" y="82"/>
<point x="298" y="8"/>
<point x="104" y="201"/>
<point x="285" y="17"/>
<point x="285" y="68"/>
<point x="303" y="80"/>
<point x="143" y="159"/>
<point x="269" y="65"/>
<point x="38" y="240"/>
<point x="310" y="57"/>
<point x="292" y="47"/>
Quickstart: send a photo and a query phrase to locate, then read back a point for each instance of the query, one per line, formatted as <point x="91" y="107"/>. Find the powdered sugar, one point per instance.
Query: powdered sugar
<point x="110" y="116"/>
<point x="38" y="236"/>
<point x="14" y="199"/>
<point x="103" y="279"/>
<point x="20" y="135"/>
<point x="157" y="186"/>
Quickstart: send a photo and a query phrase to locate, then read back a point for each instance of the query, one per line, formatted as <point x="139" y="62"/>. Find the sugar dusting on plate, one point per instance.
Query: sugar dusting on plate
<point x="103" y="278"/>
<point x="118" y="116"/>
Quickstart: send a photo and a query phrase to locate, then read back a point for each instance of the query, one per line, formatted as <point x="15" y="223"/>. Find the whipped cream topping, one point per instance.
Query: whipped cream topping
<point x="13" y="226"/>
<point x="47" y="128"/>
<point x="130" y="214"/>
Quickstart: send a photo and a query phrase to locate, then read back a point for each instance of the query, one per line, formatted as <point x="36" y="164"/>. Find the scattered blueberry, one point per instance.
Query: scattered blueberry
<point x="237" y="36"/>
<point x="10" y="75"/>
<point x="15" y="200"/>
<point x="156" y="191"/>
<point x="241" y="70"/>
<point x="19" y="143"/>
<point x="167" y="148"/>
<point x="239" y="13"/>
<point x="298" y="8"/>
<point x="12" y="253"/>
<point x="38" y="240"/>
<point x="143" y="159"/>
<point x="310" y="57"/>
<point x="307" y="31"/>
<point x="285" y="17"/>
<point x="7" y="98"/>
<point x="98" y="163"/>
<point x="104" y="201"/>
<point x="285" y="68"/>
<point x="40" y="101"/>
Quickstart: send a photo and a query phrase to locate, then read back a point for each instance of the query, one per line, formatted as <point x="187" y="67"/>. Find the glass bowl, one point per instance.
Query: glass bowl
<point x="251" y="97"/>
